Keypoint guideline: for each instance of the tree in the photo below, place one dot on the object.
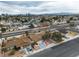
(71, 24)
(16, 48)
(43, 19)
(59, 20)
(34, 43)
(27, 34)
(55, 18)
(71, 18)
(68, 21)
(1, 25)
(3, 30)
(56, 36)
(46, 36)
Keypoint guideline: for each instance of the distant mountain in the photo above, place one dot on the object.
(60, 14)
(53, 14)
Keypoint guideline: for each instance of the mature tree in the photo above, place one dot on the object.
(43, 19)
(68, 21)
(56, 36)
(56, 18)
(3, 29)
(46, 36)
(71, 18)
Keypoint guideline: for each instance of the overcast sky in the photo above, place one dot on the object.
(39, 7)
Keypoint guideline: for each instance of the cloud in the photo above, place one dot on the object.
(39, 7)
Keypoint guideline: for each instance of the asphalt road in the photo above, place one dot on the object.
(23, 31)
(68, 49)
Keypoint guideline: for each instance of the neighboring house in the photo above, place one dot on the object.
(18, 42)
(77, 27)
(23, 27)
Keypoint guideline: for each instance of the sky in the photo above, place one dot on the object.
(39, 7)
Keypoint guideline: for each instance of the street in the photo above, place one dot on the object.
(68, 49)
(34, 29)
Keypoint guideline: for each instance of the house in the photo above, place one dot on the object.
(23, 27)
(77, 27)
(18, 42)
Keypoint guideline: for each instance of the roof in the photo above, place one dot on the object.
(37, 36)
(18, 42)
(23, 40)
(62, 31)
